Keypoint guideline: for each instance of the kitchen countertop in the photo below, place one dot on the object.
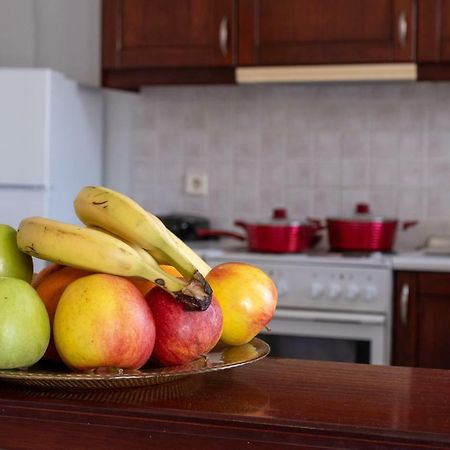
(270, 404)
(420, 261)
(414, 260)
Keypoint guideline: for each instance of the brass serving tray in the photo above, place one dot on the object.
(220, 358)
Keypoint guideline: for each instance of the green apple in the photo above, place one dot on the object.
(13, 262)
(24, 324)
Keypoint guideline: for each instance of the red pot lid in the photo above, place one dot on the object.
(362, 214)
(279, 218)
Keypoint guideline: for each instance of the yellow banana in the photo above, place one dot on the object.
(198, 262)
(112, 211)
(94, 250)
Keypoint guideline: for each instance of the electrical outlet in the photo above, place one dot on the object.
(197, 183)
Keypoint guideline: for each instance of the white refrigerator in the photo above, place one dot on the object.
(51, 143)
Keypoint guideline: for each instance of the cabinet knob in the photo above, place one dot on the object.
(223, 35)
(404, 304)
(402, 28)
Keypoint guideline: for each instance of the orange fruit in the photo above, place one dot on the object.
(47, 270)
(51, 285)
(145, 285)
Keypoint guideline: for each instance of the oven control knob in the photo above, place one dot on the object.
(282, 287)
(316, 289)
(352, 292)
(334, 291)
(370, 292)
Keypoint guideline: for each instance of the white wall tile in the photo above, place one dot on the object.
(411, 203)
(383, 202)
(439, 145)
(411, 173)
(438, 206)
(327, 145)
(300, 173)
(327, 173)
(383, 172)
(316, 149)
(439, 173)
(351, 197)
(299, 203)
(355, 172)
(354, 144)
(384, 144)
(326, 202)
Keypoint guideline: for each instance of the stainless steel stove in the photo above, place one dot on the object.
(330, 305)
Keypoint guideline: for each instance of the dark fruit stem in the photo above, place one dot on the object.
(197, 295)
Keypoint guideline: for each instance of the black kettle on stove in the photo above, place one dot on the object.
(185, 226)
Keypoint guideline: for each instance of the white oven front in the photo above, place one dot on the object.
(338, 336)
(330, 307)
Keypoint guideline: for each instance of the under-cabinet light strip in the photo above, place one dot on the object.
(322, 73)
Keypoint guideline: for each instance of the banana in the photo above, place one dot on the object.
(94, 250)
(198, 262)
(112, 211)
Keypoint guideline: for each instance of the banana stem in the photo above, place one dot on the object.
(195, 296)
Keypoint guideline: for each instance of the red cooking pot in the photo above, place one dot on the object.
(363, 231)
(280, 235)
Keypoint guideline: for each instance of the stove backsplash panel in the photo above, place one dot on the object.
(314, 149)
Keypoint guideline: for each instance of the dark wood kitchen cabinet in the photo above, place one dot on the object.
(291, 32)
(421, 331)
(433, 45)
(154, 41)
(203, 41)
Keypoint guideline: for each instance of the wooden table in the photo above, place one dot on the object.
(272, 404)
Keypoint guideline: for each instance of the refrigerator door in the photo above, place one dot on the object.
(15, 204)
(24, 114)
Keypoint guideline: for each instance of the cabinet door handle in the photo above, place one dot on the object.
(223, 35)
(402, 28)
(404, 304)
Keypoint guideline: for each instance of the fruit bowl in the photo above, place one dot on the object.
(220, 358)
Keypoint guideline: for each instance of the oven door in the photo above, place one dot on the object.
(336, 336)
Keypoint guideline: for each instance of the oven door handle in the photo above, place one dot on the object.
(330, 317)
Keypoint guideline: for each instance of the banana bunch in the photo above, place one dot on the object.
(120, 238)
(120, 215)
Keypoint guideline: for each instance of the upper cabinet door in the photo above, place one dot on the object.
(168, 33)
(434, 31)
(289, 32)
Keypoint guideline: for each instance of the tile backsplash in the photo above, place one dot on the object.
(314, 149)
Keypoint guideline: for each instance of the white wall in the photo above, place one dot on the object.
(63, 35)
(315, 149)
(120, 109)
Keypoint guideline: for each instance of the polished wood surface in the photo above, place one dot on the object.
(422, 332)
(405, 327)
(147, 42)
(325, 32)
(433, 40)
(433, 72)
(134, 79)
(271, 404)
(433, 45)
(167, 33)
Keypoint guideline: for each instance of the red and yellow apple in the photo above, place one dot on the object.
(52, 281)
(182, 335)
(103, 321)
(248, 298)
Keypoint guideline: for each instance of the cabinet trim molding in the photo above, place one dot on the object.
(329, 72)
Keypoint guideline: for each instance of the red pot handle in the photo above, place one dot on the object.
(409, 223)
(316, 224)
(207, 232)
(240, 223)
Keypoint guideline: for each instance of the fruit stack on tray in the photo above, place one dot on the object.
(119, 292)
